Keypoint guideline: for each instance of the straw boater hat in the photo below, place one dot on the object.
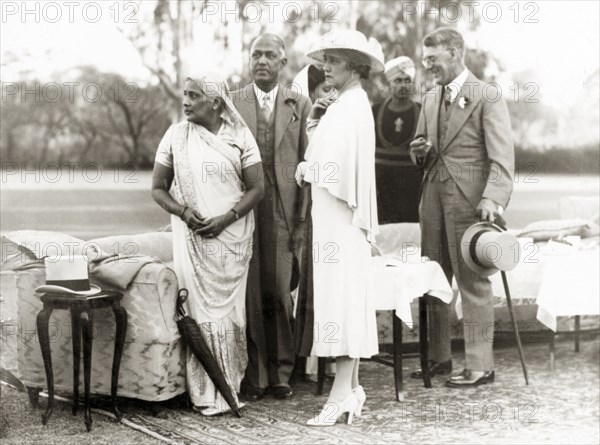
(400, 65)
(350, 45)
(486, 249)
(68, 275)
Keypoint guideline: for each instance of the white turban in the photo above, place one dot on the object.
(399, 65)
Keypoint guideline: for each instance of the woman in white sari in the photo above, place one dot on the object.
(340, 166)
(208, 176)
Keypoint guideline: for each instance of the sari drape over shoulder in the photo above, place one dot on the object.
(208, 178)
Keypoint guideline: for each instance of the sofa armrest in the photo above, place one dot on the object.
(154, 244)
(150, 301)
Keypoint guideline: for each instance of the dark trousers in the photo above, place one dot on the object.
(269, 304)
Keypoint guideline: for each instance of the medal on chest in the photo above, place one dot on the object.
(398, 125)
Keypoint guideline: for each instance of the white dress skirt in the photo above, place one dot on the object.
(344, 313)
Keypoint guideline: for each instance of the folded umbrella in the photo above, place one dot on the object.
(192, 335)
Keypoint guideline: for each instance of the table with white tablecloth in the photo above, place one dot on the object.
(395, 281)
(561, 280)
(570, 286)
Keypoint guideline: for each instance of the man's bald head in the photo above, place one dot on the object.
(267, 59)
(269, 37)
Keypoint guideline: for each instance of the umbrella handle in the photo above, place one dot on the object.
(182, 296)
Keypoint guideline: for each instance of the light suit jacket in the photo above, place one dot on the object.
(477, 148)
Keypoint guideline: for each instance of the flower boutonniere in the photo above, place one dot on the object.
(463, 102)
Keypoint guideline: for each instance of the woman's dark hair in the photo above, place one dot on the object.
(315, 77)
(362, 70)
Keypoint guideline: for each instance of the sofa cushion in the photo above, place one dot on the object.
(558, 228)
(17, 257)
(24, 249)
(154, 244)
(398, 239)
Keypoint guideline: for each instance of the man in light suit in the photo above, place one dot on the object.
(463, 143)
(276, 116)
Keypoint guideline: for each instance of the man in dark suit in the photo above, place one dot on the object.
(276, 116)
(463, 143)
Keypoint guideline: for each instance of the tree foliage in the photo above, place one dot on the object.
(91, 117)
(126, 123)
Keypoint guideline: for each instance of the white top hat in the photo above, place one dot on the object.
(68, 275)
(486, 249)
(350, 45)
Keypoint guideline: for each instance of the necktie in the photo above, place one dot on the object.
(447, 97)
(266, 109)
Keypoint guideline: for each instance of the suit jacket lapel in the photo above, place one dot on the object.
(285, 109)
(432, 111)
(247, 107)
(471, 91)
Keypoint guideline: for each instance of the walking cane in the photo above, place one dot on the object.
(502, 224)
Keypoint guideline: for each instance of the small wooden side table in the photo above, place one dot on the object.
(398, 353)
(81, 327)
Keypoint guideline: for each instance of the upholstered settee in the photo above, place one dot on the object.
(152, 365)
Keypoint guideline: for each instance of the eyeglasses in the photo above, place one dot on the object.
(430, 60)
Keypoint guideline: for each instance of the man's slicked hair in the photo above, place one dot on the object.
(446, 37)
(269, 35)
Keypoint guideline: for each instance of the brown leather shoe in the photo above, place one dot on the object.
(435, 368)
(466, 379)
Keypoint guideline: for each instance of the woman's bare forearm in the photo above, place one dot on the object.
(255, 189)
(162, 178)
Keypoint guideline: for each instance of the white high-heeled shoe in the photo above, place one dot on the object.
(332, 411)
(360, 395)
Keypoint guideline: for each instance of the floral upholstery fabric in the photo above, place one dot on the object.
(152, 366)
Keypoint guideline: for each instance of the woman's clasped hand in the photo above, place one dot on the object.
(205, 227)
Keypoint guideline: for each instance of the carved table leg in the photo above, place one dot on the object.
(43, 320)
(88, 329)
(322, 361)
(424, 341)
(121, 321)
(34, 396)
(397, 354)
(76, 335)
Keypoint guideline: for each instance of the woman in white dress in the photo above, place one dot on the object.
(340, 166)
(213, 165)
